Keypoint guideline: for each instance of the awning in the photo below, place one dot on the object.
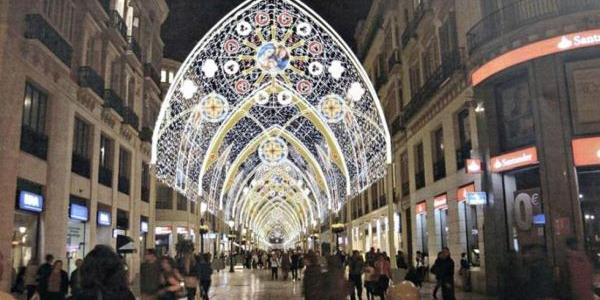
(125, 244)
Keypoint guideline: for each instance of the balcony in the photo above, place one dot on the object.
(439, 170)
(80, 165)
(134, 47)
(420, 179)
(123, 185)
(37, 28)
(88, 78)
(150, 72)
(106, 5)
(146, 134)
(522, 13)
(114, 101)
(34, 143)
(117, 22)
(130, 117)
(450, 64)
(105, 176)
(462, 155)
(413, 25)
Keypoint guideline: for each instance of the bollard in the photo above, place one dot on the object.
(405, 290)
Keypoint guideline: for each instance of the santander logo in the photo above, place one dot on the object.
(578, 40)
(514, 160)
(565, 43)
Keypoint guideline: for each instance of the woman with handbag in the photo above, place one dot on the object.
(173, 287)
(187, 268)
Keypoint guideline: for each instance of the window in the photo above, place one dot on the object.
(34, 109)
(515, 114)
(164, 197)
(80, 163)
(404, 174)
(145, 193)
(448, 40)
(415, 79)
(419, 166)
(61, 14)
(163, 76)
(33, 138)
(181, 202)
(439, 161)
(464, 138)
(430, 59)
(124, 165)
(106, 161)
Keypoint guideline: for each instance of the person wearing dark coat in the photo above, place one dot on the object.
(295, 265)
(149, 282)
(204, 275)
(356, 266)
(444, 271)
(57, 283)
(75, 281)
(312, 282)
(42, 275)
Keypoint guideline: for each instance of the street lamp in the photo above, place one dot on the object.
(337, 228)
(231, 237)
(202, 230)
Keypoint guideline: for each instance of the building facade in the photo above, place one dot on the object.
(81, 93)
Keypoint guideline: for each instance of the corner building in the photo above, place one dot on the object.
(81, 93)
(535, 69)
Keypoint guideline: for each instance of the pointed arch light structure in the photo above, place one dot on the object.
(273, 120)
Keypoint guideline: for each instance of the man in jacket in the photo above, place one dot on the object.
(149, 280)
(444, 271)
(356, 266)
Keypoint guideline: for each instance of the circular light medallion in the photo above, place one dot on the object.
(214, 107)
(273, 58)
(262, 18)
(285, 98)
(231, 67)
(315, 68)
(273, 150)
(262, 98)
(332, 108)
(303, 29)
(243, 28)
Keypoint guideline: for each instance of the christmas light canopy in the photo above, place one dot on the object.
(273, 120)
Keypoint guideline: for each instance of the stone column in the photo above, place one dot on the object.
(391, 228)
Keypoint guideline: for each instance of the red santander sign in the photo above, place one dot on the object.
(586, 151)
(513, 160)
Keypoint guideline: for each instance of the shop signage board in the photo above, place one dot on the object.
(78, 212)
(473, 166)
(421, 208)
(440, 202)
(586, 151)
(535, 50)
(162, 230)
(104, 218)
(143, 226)
(31, 201)
(476, 198)
(514, 160)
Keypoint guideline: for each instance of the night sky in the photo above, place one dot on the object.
(189, 20)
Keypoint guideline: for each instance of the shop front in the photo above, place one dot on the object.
(26, 229)
(440, 209)
(421, 233)
(104, 226)
(76, 231)
(162, 238)
(468, 201)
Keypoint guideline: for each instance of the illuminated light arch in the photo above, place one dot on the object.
(275, 69)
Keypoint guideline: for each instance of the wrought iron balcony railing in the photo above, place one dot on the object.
(450, 64)
(34, 143)
(117, 22)
(411, 28)
(522, 13)
(38, 28)
(89, 78)
(130, 117)
(114, 101)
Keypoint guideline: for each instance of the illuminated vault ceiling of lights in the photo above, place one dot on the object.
(271, 119)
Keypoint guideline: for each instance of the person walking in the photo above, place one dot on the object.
(295, 265)
(434, 270)
(42, 275)
(31, 277)
(274, 262)
(312, 282)
(3, 295)
(465, 272)
(204, 275)
(370, 281)
(401, 260)
(384, 273)
(103, 276)
(75, 280)
(187, 269)
(444, 270)
(57, 283)
(172, 285)
(371, 256)
(149, 282)
(356, 266)
(286, 265)
(336, 285)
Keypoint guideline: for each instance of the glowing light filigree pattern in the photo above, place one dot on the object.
(271, 86)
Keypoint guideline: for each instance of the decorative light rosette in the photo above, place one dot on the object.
(271, 68)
